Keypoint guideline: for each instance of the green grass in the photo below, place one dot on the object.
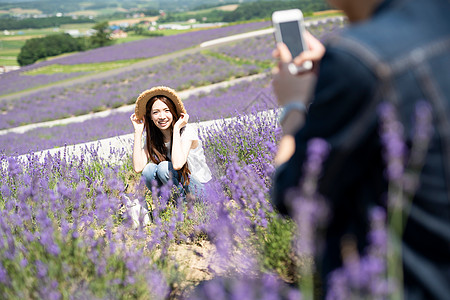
(81, 26)
(240, 61)
(11, 45)
(334, 14)
(9, 51)
(26, 33)
(93, 67)
(8, 61)
(131, 38)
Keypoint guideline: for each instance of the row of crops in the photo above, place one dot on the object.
(65, 231)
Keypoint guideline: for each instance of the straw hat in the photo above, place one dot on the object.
(143, 98)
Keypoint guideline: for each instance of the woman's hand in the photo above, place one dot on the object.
(138, 125)
(181, 122)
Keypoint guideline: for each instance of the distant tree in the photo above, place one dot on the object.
(51, 45)
(30, 52)
(102, 36)
(139, 30)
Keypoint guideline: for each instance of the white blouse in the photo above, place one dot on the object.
(196, 158)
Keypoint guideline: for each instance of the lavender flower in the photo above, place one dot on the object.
(3, 275)
(308, 208)
(423, 131)
(41, 269)
(366, 276)
(391, 132)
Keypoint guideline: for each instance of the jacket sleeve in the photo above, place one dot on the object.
(342, 96)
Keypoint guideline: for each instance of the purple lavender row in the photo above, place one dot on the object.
(260, 48)
(255, 49)
(15, 81)
(70, 239)
(57, 103)
(75, 236)
(76, 243)
(238, 99)
(157, 46)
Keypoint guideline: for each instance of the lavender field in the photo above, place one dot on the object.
(97, 95)
(242, 98)
(66, 225)
(16, 80)
(65, 234)
(224, 63)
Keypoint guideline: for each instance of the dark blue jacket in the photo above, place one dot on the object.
(400, 55)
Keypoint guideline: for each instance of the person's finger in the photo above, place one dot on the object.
(306, 55)
(313, 42)
(285, 54)
(275, 70)
(276, 53)
(315, 51)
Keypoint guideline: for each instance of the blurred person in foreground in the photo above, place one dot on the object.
(396, 51)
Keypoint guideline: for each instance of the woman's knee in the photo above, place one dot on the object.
(149, 173)
(165, 172)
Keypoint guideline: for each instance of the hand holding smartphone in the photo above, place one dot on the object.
(289, 28)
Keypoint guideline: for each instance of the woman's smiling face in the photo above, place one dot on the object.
(161, 115)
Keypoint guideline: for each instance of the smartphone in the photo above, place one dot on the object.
(288, 28)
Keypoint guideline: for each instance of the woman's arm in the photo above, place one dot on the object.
(180, 148)
(140, 155)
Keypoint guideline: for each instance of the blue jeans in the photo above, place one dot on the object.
(162, 172)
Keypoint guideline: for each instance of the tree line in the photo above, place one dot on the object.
(56, 44)
(10, 23)
(47, 7)
(249, 11)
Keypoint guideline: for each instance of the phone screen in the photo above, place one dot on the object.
(290, 33)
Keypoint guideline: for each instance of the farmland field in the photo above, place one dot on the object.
(13, 81)
(66, 225)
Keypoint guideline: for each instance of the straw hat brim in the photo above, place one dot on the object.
(143, 98)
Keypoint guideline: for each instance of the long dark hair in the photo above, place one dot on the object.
(155, 138)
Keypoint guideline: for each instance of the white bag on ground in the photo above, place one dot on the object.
(137, 212)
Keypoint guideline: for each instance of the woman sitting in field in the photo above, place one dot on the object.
(172, 149)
